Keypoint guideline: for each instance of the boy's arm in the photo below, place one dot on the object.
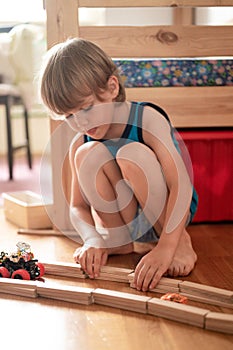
(93, 254)
(156, 134)
(155, 264)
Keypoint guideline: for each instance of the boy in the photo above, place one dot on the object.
(129, 182)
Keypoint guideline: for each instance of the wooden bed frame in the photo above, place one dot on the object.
(209, 106)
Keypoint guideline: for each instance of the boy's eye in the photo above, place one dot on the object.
(69, 116)
(87, 108)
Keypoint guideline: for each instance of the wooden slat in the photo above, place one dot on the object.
(164, 282)
(153, 3)
(191, 106)
(62, 20)
(61, 136)
(208, 300)
(219, 322)
(18, 287)
(177, 312)
(162, 41)
(121, 300)
(64, 269)
(73, 294)
(41, 232)
(206, 291)
(183, 16)
(110, 273)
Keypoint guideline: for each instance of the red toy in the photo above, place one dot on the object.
(176, 297)
(20, 264)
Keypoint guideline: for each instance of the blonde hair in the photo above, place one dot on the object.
(74, 70)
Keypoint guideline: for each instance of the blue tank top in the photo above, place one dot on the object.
(133, 133)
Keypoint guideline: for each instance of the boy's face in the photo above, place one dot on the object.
(95, 114)
(93, 118)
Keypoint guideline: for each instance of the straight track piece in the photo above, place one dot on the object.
(18, 287)
(113, 278)
(11, 282)
(108, 273)
(24, 292)
(121, 300)
(74, 294)
(219, 322)
(64, 269)
(161, 289)
(116, 270)
(205, 291)
(165, 285)
(116, 274)
(164, 281)
(208, 300)
(177, 312)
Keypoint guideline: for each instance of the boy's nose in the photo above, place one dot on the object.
(81, 123)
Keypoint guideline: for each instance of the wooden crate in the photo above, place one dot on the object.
(26, 209)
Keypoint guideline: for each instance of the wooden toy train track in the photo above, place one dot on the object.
(200, 317)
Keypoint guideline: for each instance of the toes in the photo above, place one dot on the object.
(172, 271)
(187, 269)
(176, 270)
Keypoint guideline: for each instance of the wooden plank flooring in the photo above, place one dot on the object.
(54, 324)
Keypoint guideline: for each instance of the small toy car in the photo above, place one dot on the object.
(20, 264)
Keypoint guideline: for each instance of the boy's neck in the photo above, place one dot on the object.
(120, 120)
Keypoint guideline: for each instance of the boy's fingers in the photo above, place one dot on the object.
(100, 259)
(139, 279)
(104, 259)
(91, 260)
(137, 271)
(97, 263)
(148, 278)
(155, 279)
(89, 264)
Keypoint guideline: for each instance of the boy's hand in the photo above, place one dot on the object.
(91, 259)
(152, 267)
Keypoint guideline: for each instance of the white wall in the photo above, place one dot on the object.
(214, 15)
(139, 16)
(23, 11)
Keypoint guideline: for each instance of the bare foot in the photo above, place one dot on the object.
(124, 249)
(184, 259)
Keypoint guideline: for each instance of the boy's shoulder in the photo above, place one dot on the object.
(156, 108)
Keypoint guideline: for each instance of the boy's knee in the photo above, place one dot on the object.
(82, 151)
(133, 153)
(93, 150)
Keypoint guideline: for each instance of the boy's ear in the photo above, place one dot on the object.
(113, 86)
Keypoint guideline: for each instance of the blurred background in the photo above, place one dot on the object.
(22, 45)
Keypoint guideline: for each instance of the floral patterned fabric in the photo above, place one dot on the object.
(174, 72)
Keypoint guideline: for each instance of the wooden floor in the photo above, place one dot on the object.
(49, 324)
